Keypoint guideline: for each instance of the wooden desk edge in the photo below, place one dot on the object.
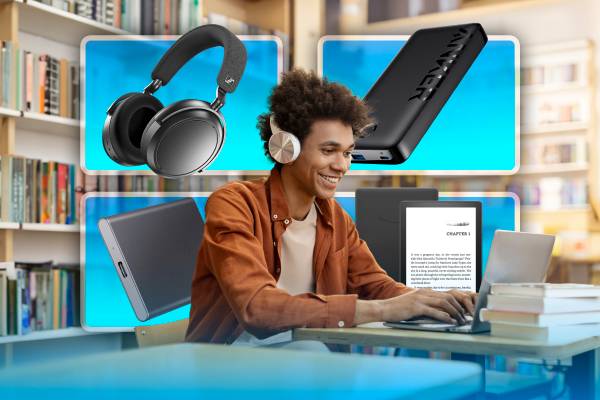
(516, 348)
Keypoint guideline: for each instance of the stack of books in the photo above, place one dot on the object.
(37, 296)
(543, 311)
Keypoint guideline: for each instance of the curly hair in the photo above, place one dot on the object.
(303, 98)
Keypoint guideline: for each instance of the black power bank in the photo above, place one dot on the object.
(413, 89)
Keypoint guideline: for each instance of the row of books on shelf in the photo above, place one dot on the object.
(552, 192)
(538, 152)
(36, 296)
(153, 17)
(38, 82)
(145, 17)
(38, 191)
(149, 183)
(543, 311)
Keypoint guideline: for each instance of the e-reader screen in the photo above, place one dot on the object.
(441, 244)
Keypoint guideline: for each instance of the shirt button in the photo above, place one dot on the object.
(274, 244)
(341, 324)
(287, 221)
(274, 216)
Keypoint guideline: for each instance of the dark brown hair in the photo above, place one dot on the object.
(303, 98)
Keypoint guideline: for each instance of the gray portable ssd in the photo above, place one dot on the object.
(154, 252)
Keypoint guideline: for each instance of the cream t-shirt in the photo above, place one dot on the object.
(297, 246)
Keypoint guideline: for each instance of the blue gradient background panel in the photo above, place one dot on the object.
(118, 66)
(105, 302)
(476, 128)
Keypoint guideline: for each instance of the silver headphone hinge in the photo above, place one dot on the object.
(219, 101)
(153, 86)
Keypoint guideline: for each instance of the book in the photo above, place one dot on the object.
(560, 290)
(3, 304)
(546, 305)
(544, 333)
(537, 319)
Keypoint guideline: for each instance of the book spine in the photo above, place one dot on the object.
(42, 77)
(56, 297)
(147, 17)
(63, 109)
(61, 198)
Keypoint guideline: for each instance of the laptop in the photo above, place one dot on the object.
(514, 257)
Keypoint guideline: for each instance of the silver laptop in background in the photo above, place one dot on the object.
(514, 257)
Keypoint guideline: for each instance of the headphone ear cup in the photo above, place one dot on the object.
(284, 147)
(123, 134)
(183, 138)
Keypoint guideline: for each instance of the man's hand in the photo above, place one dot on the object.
(466, 299)
(449, 307)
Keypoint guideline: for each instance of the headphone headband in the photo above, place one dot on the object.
(198, 40)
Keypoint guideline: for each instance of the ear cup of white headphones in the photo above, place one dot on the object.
(183, 138)
(284, 146)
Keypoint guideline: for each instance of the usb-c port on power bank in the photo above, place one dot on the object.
(122, 268)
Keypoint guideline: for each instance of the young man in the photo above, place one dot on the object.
(281, 253)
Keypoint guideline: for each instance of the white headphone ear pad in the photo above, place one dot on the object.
(284, 147)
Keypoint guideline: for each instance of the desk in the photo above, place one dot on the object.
(186, 371)
(581, 376)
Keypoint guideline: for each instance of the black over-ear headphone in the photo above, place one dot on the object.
(186, 136)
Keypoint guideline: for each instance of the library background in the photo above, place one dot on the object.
(41, 181)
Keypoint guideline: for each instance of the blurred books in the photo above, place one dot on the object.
(543, 311)
(37, 296)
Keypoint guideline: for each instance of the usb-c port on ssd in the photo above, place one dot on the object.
(122, 268)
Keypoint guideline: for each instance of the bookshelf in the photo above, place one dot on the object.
(41, 28)
(559, 138)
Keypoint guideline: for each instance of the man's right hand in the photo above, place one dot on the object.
(419, 302)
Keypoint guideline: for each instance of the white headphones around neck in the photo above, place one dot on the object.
(284, 146)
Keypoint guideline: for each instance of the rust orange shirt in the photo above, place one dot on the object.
(235, 282)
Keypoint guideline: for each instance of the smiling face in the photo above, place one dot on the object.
(324, 159)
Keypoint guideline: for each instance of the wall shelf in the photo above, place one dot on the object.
(62, 26)
(51, 124)
(564, 209)
(37, 122)
(47, 335)
(35, 227)
(9, 225)
(555, 128)
(551, 89)
(554, 168)
(7, 112)
(50, 227)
